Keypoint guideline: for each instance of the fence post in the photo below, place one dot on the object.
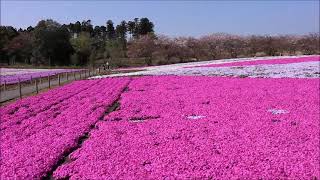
(40, 79)
(89, 72)
(67, 75)
(4, 85)
(99, 70)
(20, 93)
(31, 80)
(59, 79)
(37, 88)
(49, 82)
(74, 75)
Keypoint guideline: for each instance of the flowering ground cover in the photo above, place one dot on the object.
(266, 67)
(34, 104)
(130, 68)
(37, 132)
(171, 127)
(264, 62)
(11, 75)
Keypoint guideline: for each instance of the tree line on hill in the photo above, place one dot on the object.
(80, 44)
(50, 43)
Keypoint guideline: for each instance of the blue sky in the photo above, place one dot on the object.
(175, 18)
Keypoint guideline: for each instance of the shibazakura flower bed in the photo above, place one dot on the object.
(36, 132)
(165, 127)
(265, 62)
(171, 127)
(264, 67)
(12, 76)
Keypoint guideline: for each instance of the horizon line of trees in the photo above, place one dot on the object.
(82, 44)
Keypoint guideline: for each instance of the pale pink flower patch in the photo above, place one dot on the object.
(264, 62)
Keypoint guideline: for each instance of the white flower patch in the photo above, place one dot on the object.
(195, 117)
(278, 111)
(292, 70)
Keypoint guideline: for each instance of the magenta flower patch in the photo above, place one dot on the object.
(249, 129)
(37, 131)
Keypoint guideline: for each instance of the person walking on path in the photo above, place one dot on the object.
(107, 64)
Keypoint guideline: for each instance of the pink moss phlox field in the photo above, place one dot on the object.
(37, 131)
(27, 74)
(264, 62)
(34, 104)
(171, 127)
